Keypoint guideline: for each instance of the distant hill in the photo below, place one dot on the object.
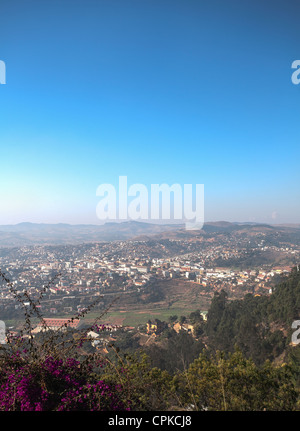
(42, 234)
(26, 234)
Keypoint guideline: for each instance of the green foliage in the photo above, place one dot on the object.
(176, 353)
(257, 324)
(126, 341)
(195, 317)
(182, 319)
(211, 382)
(236, 383)
(147, 387)
(285, 302)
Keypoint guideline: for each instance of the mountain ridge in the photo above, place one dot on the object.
(28, 233)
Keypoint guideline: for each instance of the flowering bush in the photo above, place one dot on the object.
(55, 384)
(49, 372)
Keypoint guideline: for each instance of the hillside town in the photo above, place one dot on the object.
(132, 268)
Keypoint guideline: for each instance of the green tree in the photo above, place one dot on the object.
(233, 382)
(148, 388)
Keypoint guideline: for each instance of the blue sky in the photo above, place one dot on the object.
(163, 91)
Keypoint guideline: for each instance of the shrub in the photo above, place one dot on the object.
(50, 372)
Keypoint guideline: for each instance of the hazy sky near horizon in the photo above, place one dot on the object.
(162, 91)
